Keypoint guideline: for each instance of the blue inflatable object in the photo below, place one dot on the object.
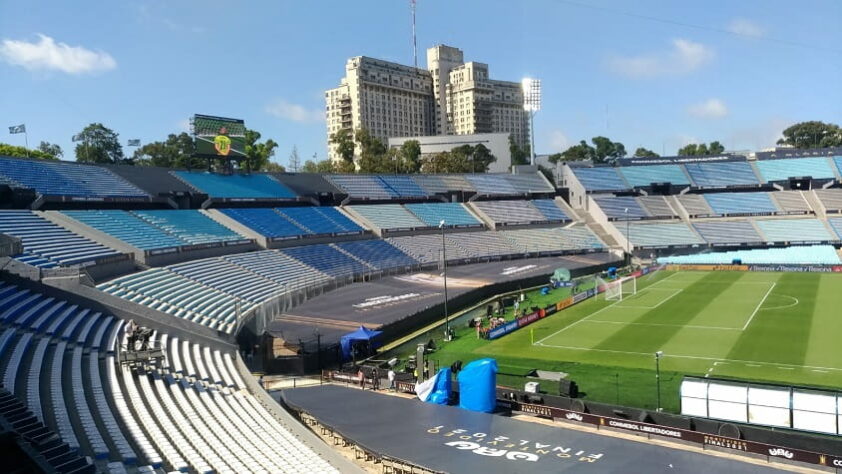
(477, 386)
(545, 290)
(441, 393)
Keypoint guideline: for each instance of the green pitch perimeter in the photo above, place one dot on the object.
(775, 327)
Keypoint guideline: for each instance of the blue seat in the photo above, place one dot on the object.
(377, 253)
(492, 184)
(59, 178)
(551, 210)
(795, 230)
(615, 207)
(721, 175)
(781, 170)
(127, 227)
(452, 213)
(320, 220)
(266, 222)
(600, 179)
(403, 185)
(237, 186)
(326, 259)
(189, 225)
(363, 186)
(644, 175)
(741, 203)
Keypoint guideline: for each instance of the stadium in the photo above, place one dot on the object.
(146, 311)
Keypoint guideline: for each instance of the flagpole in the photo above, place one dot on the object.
(26, 140)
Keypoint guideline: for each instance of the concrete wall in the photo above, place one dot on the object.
(498, 143)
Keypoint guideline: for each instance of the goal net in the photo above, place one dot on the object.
(616, 290)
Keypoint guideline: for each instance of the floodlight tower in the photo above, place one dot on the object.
(444, 275)
(531, 104)
(658, 356)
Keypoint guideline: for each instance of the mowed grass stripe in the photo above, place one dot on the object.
(679, 310)
(825, 349)
(781, 335)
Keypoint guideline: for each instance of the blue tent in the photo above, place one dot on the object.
(361, 334)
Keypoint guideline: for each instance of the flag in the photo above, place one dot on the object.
(134, 142)
(17, 129)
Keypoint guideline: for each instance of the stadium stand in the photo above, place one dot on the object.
(794, 230)
(236, 186)
(427, 248)
(379, 254)
(781, 170)
(189, 225)
(660, 235)
(641, 176)
(656, 206)
(362, 186)
(129, 228)
(810, 255)
(453, 214)
(483, 244)
(327, 259)
(279, 268)
(432, 184)
(551, 211)
(154, 180)
(725, 204)
(491, 184)
(266, 222)
(615, 207)
(831, 199)
(307, 183)
(836, 224)
(510, 212)
(227, 277)
(528, 183)
(454, 182)
(389, 216)
(403, 185)
(321, 220)
(791, 202)
(695, 204)
(556, 239)
(47, 245)
(58, 178)
(727, 232)
(179, 296)
(722, 174)
(600, 179)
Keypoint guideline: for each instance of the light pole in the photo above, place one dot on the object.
(444, 275)
(658, 356)
(531, 104)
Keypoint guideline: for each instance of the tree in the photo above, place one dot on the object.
(258, 154)
(51, 149)
(344, 141)
(606, 151)
(579, 152)
(324, 166)
(813, 134)
(294, 160)
(99, 144)
(410, 157)
(701, 149)
(555, 158)
(520, 155)
(175, 152)
(645, 153)
(482, 158)
(22, 152)
(274, 167)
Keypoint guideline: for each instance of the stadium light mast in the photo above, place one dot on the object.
(444, 275)
(658, 356)
(628, 236)
(531, 104)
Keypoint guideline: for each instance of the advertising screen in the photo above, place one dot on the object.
(219, 137)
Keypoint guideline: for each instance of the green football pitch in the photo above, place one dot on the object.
(781, 328)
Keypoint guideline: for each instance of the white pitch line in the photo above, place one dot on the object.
(664, 325)
(678, 356)
(757, 308)
(540, 341)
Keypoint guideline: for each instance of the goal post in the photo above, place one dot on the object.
(618, 289)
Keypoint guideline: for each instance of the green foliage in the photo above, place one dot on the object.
(51, 149)
(344, 141)
(813, 134)
(175, 152)
(603, 151)
(462, 159)
(579, 152)
(694, 149)
(645, 153)
(99, 144)
(409, 155)
(323, 167)
(520, 155)
(258, 154)
(22, 152)
(555, 158)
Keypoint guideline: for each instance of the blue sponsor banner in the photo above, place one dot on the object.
(503, 330)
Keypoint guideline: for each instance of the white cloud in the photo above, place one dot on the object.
(47, 54)
(294, 112)
(743, 27)
(684, 57)
(558, 141)
(709, 109)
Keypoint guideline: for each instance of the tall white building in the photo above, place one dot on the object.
(451, 97)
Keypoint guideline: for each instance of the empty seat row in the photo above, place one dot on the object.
(510, 212)
(236, 186)
(741, 203)
(621, 207)
(60, 178)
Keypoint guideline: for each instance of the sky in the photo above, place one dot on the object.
(651, 73)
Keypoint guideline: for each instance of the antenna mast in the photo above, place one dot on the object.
(414, 43)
